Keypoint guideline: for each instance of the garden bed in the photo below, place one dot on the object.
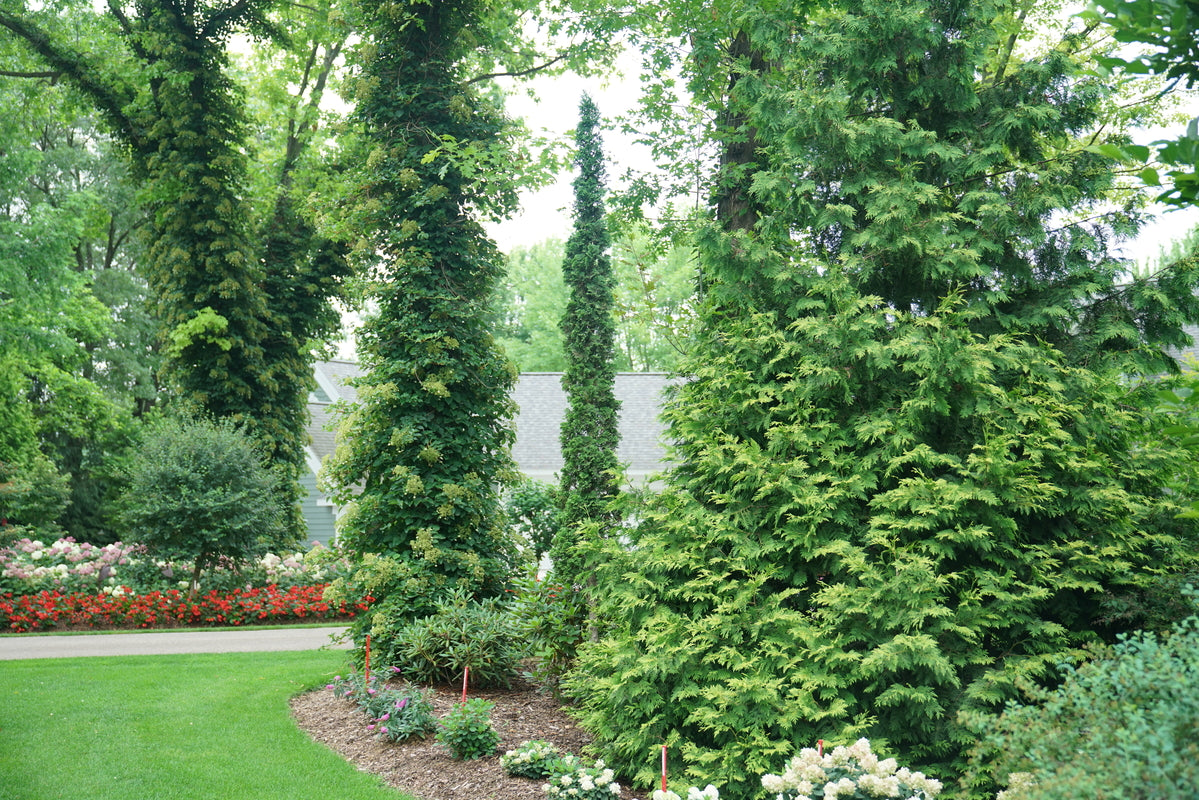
(423, 767)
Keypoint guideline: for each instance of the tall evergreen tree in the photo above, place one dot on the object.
(910, 469)
(429, 441)
(589, 433)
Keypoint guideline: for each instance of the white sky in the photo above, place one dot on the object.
(545, 213)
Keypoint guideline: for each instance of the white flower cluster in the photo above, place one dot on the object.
(585, 783)
(848, 772)
(709, 792)
(289, 568)
(522, 760)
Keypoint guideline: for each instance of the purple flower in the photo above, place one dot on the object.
(401, 703)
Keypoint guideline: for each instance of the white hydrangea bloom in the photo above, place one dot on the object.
(771, 783)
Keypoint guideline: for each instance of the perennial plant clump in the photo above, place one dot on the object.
(538, 759)
(848, 773)
(467, 730)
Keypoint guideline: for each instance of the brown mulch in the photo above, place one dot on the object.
(425, 768)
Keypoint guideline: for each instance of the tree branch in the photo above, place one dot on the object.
(518, 73)
(110, 98)
(53, 75)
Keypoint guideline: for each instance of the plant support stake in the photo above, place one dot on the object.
(663, 769)
(367, 668)
(465, 678)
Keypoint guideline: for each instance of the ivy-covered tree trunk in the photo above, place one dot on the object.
(910, 468)
(426, 449)
(589, 433)
(238, 324)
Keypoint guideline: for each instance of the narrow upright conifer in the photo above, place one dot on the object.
(589, 433)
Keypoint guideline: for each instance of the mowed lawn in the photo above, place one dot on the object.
(191, 727)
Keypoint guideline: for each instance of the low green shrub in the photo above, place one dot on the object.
(538, 760)
(550, 619)
(531, 507)
(460, 633)
(467, 730)
(1125, 724)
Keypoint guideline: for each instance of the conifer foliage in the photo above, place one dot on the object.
(589, 433)
(429, 442)
(909, 455)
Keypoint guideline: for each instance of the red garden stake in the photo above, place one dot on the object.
(368, 659)
(663, 769)
(820, 747)
(465, 678)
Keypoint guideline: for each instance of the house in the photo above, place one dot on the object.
(541, 405)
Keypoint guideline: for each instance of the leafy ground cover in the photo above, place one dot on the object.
(184, 726)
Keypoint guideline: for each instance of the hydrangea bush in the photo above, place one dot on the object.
(29, 566)
(584, 783)
(538, 760)
(848, 773)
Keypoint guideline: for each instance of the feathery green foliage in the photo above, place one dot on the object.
(909, 461)
(429, 441)
(589, 434)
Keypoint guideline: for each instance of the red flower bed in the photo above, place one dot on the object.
(171, 609)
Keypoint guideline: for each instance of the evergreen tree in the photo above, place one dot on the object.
(429, 441)
(909, 469)
(589, 433)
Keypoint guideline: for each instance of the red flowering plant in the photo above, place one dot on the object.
(121, 608)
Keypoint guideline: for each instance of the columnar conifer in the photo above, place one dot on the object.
(589, 433)
(910, 469)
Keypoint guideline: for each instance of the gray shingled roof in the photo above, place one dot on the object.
(541, 405)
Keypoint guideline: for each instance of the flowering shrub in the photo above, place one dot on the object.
(395, 714)
(848, 773)
(709, 792)
(119, 607)
(584, 783)
(538, 760)
(29, 566)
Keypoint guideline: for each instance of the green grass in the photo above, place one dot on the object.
(187, 727)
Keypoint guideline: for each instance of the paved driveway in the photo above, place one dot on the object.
(165, 642)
